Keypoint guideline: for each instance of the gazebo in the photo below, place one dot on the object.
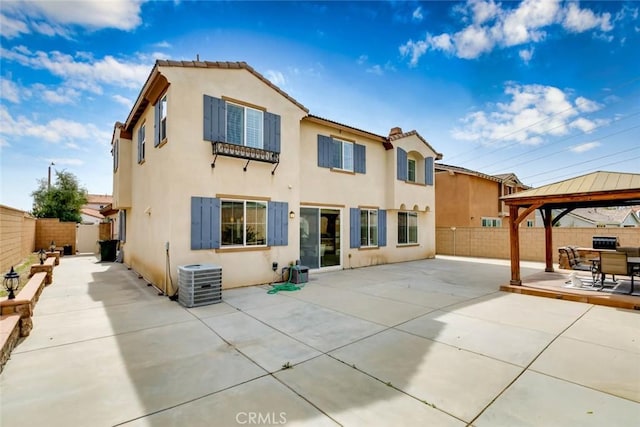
(597, 189)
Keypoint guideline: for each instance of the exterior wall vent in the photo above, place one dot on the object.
(199, 284)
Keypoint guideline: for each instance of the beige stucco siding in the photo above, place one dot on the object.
(181, 168)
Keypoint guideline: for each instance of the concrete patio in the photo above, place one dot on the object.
(430, 342)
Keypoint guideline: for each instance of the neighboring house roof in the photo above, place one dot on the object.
(99, 199)
(596, 182)
(502, 178)
(602, 215)
(91, 212)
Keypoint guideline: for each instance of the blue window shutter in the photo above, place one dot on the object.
(354, 227)
(156, 124)
(325, 151)
(277, 224)
(205, 223)
(214, 120)
(382, 228)
(359, 158)
(122, 225)
(428, 172)
(402, 164)
(336, 150)
(271, 129)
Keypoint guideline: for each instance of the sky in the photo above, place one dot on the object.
(545, 89)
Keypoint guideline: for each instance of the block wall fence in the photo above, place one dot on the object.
(17, 236)
(52, 229)
(487, 242)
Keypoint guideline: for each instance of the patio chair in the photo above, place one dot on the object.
(573, 263)
(615, 263)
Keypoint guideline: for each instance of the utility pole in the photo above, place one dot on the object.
(49, 180)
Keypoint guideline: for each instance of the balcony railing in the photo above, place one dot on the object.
(244, 152)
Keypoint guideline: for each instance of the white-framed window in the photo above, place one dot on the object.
(141, 142)
(368, 227)
(243, 223)
(245, 126)
(344, 155)
(407, 228)
(411, 170)
(491, 222)
(163, 118)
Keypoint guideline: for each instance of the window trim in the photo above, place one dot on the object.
(116, 155)
(244, 124)
(408, 234)
(415, 165)
(163, 119)
(244, 244)
(343, 144)
(142, 141)
(369, 225)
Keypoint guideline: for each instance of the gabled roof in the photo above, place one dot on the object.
(594, 189)
(156, 80)
(501, 178)
(99, 198)
(603, 215)
(318, 119)
(411, 133)
(91, 212)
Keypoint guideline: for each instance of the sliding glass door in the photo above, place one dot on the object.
(319, 237)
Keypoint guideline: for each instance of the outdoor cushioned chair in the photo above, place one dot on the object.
(615, 263)
(573, 263)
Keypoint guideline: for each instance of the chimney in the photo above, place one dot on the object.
(395, 131)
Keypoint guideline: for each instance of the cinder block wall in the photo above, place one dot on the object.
(17, 236)
(487, 242)
(51, 229)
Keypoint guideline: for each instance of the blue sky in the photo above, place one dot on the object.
(548, 90)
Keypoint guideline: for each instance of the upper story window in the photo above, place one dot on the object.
(244, 126)
(344, 155)
(411, 170)
(491, 222)
(116, 154)
(531, 223)
(334, 153)
(163, 118)
(141, 142)
(407, 228)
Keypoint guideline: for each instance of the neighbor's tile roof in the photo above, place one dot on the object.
(99, 199)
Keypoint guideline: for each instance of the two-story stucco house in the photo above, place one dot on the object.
(468, 198)
(215, 164)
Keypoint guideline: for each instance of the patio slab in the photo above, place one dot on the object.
(504, 342)
(110, 380)
(249, 336)
(603, 368)
(355, 399)
(540, 400)
(264, 397)
(456, 381)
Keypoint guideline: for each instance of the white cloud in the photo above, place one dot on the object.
(531, 113)
(122, 100)
(362, 59)
(59, 95)
(81, 72)
(9, 90)
(417, 14)
(54, 131)
(526, 55)
(59, 17)
(66, 162)
(587, 105)
(162, 45)
(275, 77)
(578, 20)
(376, 69)
(487, 25)
(584, 147)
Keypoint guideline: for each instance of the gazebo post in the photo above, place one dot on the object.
(548, 239)
(514, 238)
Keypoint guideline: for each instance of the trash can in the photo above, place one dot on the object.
(66, 249)
(108, 249)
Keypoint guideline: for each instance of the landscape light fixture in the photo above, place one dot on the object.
(52, 246)
(11, 282)
(42, 255)
(292, 215)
